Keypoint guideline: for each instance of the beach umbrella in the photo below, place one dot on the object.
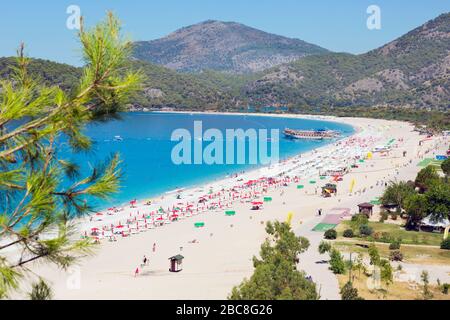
(300, 186)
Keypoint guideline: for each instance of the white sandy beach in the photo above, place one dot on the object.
(221, 255)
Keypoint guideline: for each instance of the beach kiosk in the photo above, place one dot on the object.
(328, 190)
(176, 263)
(366, 208)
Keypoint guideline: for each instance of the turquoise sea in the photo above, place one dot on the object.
(145, 148)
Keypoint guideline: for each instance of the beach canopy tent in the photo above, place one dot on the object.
(375, 201)
(430, 224)
(267, 199)
(389, 206)
(366, 208)
(176, 263)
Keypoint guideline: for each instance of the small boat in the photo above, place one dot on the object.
(118, 138)
(319, 134)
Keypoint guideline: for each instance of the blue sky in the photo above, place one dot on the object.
(335, 25)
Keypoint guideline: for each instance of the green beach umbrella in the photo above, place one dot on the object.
(230, 213)
(300, 186)
(323, 178)
(199, 224)
(312, 181)
(267, 199)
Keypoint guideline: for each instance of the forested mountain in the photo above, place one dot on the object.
(409, 72)
(223, 46)
(412, 71)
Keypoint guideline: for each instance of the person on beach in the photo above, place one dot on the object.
(154, 247)
(136, 272)
(145, 260)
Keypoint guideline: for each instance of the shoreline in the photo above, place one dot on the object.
(225, 180)
(226, 177)
(221, 255)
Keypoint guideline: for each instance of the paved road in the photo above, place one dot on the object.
(315, 264)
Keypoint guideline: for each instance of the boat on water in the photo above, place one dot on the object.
(118, 138)
(319, 134)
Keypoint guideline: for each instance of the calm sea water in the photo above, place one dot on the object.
(146, 149)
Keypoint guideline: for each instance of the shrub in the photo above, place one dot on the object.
(330, 234)
(445, 244)
(348, 292)
(395, 245)
(386, 237)
(396, 256)
(394, 215)
(445, 288)
(383, 216)
(324, 247)
(377, 236)
(365, 230)
(358, 220)
(348, 233)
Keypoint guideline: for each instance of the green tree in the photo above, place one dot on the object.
(358, 220)
(41, 291)
(386, 272)
(276, 275)
(36, 208)
(337, 263)
(445, 166)
(438, 200)
(348, 292)
(324, 246)
(374, 255)
(426, 293)
(426, 177)
(359, 264)
(396, 193)
(416, 207)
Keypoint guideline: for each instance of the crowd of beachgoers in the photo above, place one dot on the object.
(327, 164)
(218, 227)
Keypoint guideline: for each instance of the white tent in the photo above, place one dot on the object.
(429, 222)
